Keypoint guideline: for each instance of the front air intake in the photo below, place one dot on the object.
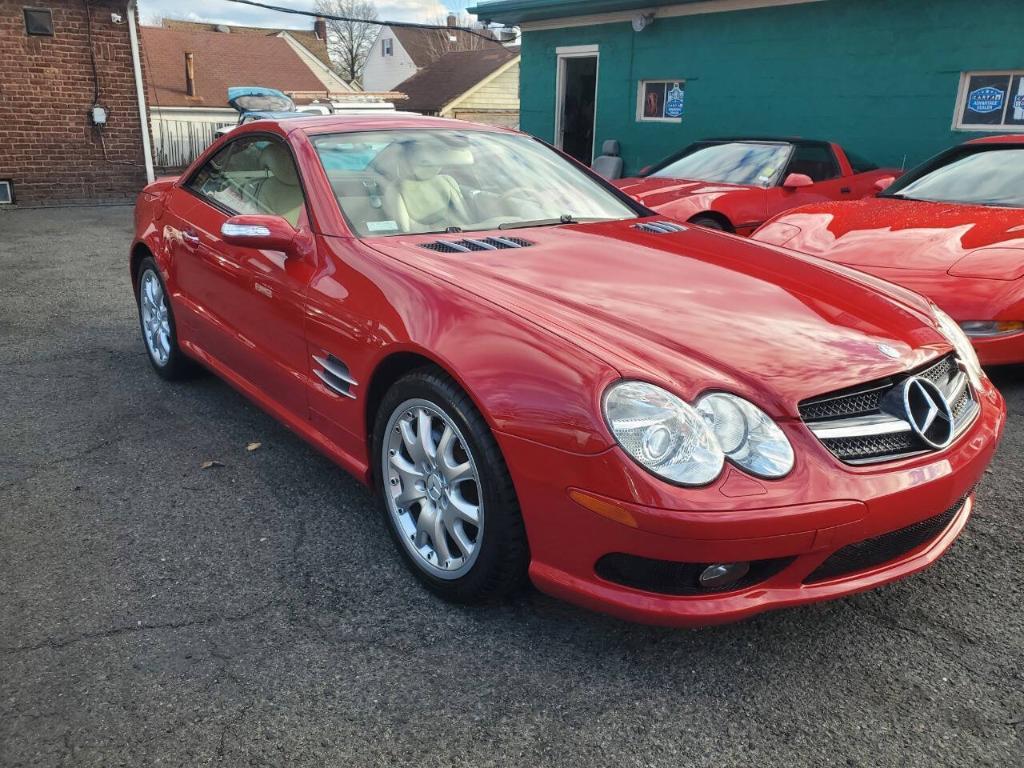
(659, 227)
(483, 244)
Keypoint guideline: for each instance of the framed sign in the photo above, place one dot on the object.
(661, 101)
(990, 101)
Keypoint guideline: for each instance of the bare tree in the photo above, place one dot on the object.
(452, 37)
(350, 42)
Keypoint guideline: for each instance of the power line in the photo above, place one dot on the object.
(331, 17)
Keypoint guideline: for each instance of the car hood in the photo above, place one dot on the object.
(902, 234)
(655, 192)
(695, 310)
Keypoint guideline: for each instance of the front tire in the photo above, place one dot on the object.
(448, 498)
(710, 222)
(157, 322)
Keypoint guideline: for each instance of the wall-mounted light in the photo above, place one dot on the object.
(642, 21)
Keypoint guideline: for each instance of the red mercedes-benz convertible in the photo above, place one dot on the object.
(540, 377)
(736, 184)
(952, 229)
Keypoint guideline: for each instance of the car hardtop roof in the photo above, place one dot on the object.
(342, 123)
(765, 140)
(1009, 138)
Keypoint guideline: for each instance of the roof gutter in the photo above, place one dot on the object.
(140, 91)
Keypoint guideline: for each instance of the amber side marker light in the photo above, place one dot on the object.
(604, 508)
(984, 329)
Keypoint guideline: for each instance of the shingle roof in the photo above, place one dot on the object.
(434, 86)
(221, 60)
(305, 37)
(424, 46)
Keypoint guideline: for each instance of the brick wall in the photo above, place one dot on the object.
(48, 145)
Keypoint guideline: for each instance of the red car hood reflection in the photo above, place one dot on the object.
(902, 234)
(654, 192)
(700, 309)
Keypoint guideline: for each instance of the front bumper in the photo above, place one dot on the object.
(819, 509)
(1000, 350)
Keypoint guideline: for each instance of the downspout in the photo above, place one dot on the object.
(133, 35)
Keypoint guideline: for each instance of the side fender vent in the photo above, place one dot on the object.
(335, 375)
(660, 227)
(484, 244)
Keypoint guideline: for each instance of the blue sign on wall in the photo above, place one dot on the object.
(674, 101)
(985, 100)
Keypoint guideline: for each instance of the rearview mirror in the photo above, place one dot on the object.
(884, 183)
(268, 233)
(797, 180)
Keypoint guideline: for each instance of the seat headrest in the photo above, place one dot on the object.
(611, 147)
(278, 161)
(424, 159)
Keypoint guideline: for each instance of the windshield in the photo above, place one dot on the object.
(419, 181)
(982, 177)
(734, 162)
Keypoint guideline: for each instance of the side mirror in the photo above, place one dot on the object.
(797, 180)
(884, 183)
(267, 233)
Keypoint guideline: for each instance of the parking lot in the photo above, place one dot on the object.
(154, 612)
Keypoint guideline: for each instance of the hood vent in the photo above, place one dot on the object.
(484, 244)
(659, 227)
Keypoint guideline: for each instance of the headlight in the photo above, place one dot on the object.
(747, 435)
(961, 343)
(662, 434)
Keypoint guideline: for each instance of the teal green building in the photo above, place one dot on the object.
(894, 81)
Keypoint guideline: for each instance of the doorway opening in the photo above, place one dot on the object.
(577, 105)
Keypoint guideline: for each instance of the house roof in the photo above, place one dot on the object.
(220, 61)
(307, 38)
(519, 11)
(425, 45)
(440, 83)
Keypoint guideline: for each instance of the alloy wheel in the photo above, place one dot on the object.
(156, 323)
(433, 489)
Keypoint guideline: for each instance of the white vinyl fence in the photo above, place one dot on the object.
(176, 143)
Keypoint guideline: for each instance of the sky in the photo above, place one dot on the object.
(225, 12)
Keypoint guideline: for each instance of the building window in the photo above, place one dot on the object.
(387, 46)
(990, 101)
(6, 192)
(660, 101)
(39, 21)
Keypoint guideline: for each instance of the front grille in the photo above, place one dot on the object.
(859, 425)
(667, 577)
(483, 244)
(871, 553)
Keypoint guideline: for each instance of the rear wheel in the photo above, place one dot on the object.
(710, 222)
(448, 497)
(157, 322)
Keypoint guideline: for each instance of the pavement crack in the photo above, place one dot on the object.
(142, 627)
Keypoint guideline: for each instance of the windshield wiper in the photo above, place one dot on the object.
(565, 218)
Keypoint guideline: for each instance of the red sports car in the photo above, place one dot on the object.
(951, 229)
(539, 376)
(737, 184)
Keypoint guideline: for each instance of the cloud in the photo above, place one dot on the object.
(224, 12)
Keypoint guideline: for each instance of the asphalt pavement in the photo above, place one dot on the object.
(153, 612)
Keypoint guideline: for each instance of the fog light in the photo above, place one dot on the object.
(723, 574)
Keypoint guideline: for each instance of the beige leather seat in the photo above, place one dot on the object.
(425, 199)
(280, 193)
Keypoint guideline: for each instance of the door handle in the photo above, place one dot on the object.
(845, 190)
(190, 239)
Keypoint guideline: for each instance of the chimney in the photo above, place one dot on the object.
(320, 27)
(190, 75)
(453, 20)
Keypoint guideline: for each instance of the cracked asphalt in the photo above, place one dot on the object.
(155, 613)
